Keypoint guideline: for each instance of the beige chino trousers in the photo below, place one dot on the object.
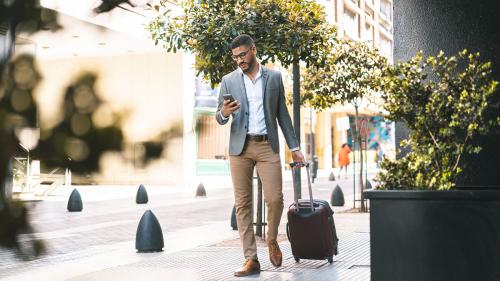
(269, 170)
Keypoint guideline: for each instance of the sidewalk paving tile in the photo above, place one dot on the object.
(209, 263)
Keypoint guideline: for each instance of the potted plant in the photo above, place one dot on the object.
(424, 224)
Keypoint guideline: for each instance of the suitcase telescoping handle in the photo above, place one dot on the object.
(294, 165)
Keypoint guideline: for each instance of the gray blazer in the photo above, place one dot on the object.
(274, 109)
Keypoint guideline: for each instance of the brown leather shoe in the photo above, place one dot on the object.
(249, 267)
(275, 254)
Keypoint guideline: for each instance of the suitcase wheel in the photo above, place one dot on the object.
(297, 259)
(330, 259)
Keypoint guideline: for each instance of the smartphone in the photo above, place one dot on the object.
(228, 97)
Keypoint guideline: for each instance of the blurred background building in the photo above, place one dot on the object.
(369, 21)
(160, 90)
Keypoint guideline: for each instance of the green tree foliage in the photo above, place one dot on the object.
(353, 72)
(443, 101)
(288, 31)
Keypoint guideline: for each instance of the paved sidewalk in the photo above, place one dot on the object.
(98, 243)
(218, 263)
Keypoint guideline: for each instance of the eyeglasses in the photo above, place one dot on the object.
(241, 55)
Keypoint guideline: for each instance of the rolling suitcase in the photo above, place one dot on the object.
(310, 228)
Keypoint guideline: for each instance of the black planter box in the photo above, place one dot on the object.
(435, 235)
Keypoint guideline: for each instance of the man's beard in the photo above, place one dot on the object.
(250, 65)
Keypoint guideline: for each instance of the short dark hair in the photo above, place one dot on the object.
(240, 40)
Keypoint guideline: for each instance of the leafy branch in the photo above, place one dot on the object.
(444, 102)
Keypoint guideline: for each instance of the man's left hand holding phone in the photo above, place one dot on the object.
(229, 105)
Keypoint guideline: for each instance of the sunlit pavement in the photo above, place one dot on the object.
(99, 242)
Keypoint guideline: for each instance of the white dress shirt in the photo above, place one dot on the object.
(254, 91)
(256, 121)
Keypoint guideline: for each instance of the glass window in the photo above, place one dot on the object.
(350, 23)
(368, 33)
(386, 9)
(386, 47)
(204, 95)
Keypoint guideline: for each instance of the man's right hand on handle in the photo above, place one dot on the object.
(229, 107)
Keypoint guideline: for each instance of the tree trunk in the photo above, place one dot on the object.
(296, 124)
(361, 160)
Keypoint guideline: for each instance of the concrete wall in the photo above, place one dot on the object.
(150, 86)
(433, 25)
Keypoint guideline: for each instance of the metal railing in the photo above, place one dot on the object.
(25, 180)
(21, 169)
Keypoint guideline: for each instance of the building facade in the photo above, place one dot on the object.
(162, 89)
(152, 89)
(368, 21)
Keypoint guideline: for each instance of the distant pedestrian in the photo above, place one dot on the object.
(343, 159)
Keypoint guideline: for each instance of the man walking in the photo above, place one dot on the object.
(259, 100)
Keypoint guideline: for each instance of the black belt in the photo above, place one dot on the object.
(257, 138)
